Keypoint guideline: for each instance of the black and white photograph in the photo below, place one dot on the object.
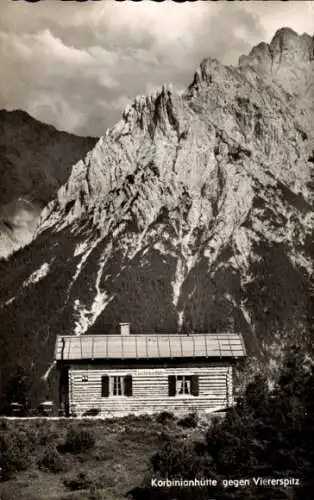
(156, 250)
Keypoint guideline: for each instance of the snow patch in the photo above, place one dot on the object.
(47, 373)
(180, 320)
(298, 260)
(87, 317)
(81, 248)
(12, 299)
(37, 275)
(88, 248)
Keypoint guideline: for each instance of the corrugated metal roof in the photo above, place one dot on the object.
(132, 346)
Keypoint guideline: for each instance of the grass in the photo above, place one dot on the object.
(115, 460)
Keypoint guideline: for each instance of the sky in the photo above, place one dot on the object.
(77, 65)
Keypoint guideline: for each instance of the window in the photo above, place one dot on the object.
(84, 378)
(116, 385)
(181, 385)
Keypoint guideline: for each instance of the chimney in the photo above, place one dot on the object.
(124, 329)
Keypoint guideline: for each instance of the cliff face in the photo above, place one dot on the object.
(35, 160)
(195, 212)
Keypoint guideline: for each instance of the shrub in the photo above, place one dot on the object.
(178, 458)
(164, 417)
(80, 481)
(93, 412)
(96, 494)
(75, 495)
(52, 460)
(48, 437)
(191, 420)
(15, 449)
(77, 441)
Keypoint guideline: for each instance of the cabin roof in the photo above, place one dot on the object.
(140, 346)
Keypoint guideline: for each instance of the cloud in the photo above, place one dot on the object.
(77, 65)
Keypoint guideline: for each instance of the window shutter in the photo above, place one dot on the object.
(195, 385)
(105, 386)
(171, 385)
(128, 385)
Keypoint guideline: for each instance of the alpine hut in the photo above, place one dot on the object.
(139, 373)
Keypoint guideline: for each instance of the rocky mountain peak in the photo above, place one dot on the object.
(35, 160)
(285, 48)
(286, 64)
(150, 114)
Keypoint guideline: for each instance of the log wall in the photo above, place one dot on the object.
(149, 389)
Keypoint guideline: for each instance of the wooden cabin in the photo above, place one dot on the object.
(138, 373)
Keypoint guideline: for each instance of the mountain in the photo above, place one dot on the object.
(35, 160)
(193, 213)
